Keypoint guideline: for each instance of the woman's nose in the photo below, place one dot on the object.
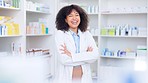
(74, 17)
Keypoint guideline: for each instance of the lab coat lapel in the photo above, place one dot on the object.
(70, 38)
(81, 40)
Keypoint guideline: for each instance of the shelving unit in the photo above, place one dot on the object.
(115, 57)
(42, 40)
(30, 35)
(123, 36)
(39, 12)
(11, 36)
(6, 40)
(111, 13)
(9, 8)
(23, 16)
(132, 13)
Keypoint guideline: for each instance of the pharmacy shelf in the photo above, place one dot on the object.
(92, 13)
(38, 12)
(115, 57)
(45, 56)
(38, 56)
(10, 36)
(110, 36)
(22, 16)
(9, 8)
(112, 13)
(32, 35)
(95, 35)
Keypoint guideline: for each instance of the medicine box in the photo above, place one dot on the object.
(111, 31)
(104, 31)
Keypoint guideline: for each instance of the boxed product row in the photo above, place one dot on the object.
(140, 52)
(37, 52)
(118, 53)
(143, 9)
(9, 29)
(37, 7)
(10, 3)
(123, 30)
(16, 48)
(39, 27)
(91, 9)
(94, 31)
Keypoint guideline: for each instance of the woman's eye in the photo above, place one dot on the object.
(70, 16)
(77, 15)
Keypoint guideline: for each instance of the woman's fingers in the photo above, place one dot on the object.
(64, 49)
(64, 46)
(89, 49)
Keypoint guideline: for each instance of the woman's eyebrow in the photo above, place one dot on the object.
(76, 12)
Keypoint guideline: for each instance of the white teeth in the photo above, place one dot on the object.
(74, 22)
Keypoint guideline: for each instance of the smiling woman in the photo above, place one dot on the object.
(73, 20)
(65, 12)
(75, 46)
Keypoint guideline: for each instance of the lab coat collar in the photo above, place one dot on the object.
(70, 32)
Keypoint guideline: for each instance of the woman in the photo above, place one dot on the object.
(76, 47)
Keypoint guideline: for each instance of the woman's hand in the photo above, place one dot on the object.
(89, 49)
(65, 51)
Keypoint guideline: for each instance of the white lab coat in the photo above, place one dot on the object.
(84, 58)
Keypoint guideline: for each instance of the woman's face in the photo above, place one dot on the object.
(73, 19)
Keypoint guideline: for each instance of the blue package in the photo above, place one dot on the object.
(104, 51)
(118, 53)
(122, 53)
(46, 31)
(1, 2)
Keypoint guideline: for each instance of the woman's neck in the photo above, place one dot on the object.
(74, 30)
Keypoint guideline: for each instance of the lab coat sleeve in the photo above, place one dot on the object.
(63, 58)
(87, 57)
